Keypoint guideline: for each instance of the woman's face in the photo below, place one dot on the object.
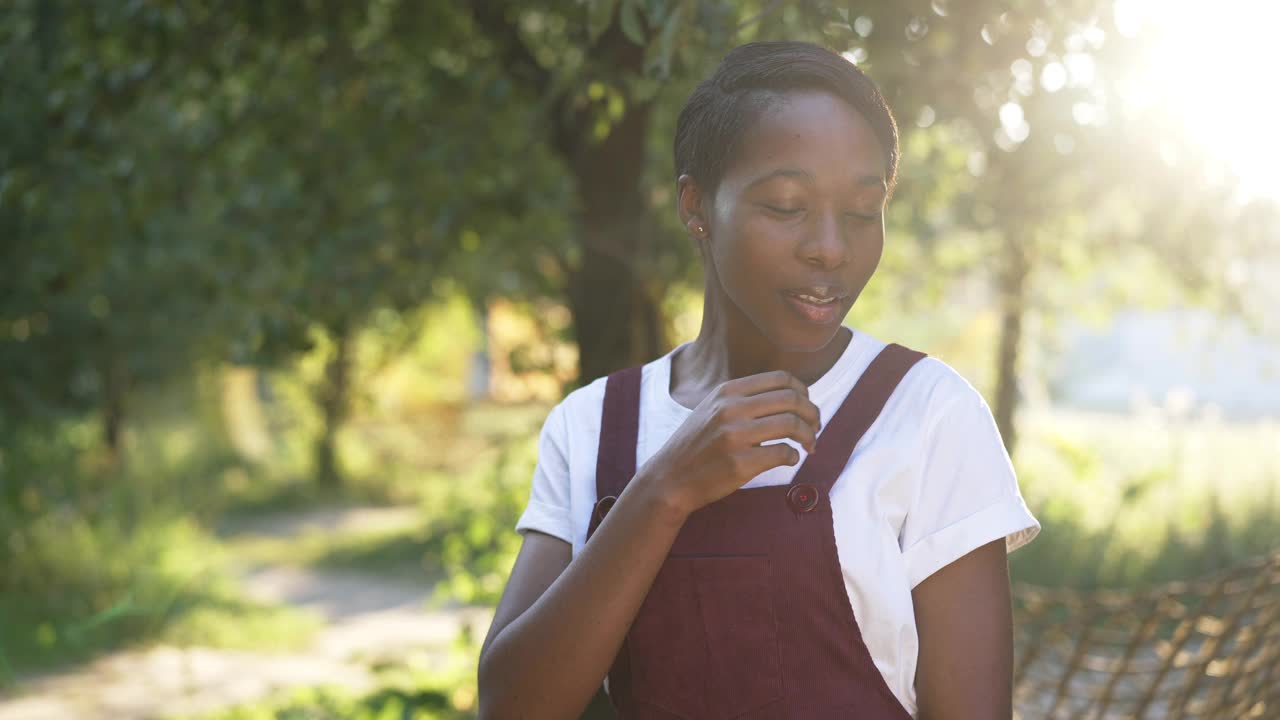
(796, 225)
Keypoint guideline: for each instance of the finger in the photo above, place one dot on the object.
(760, 458)
(779, 401)
(782, 425)
(763, 382)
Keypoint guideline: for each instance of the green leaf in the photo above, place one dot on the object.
(631, 22)
(599, 17)
(666, 41)
(655, 10)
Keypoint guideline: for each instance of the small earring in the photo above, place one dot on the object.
(699, 229)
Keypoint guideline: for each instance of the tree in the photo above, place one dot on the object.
(373, 171)
(188, 186)
(1062, 177)
(198, 183)
(111, 279)
(1024, 94)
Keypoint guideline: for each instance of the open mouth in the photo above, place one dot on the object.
(821, 310)
(816, 300)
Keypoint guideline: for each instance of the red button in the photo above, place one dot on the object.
(602, 507)
(802, 497)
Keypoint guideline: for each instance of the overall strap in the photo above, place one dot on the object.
(619, 430)
(854, 417)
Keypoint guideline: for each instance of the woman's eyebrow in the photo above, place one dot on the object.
(806, 176)
(797, 173)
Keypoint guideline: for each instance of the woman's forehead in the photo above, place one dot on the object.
(809, 136)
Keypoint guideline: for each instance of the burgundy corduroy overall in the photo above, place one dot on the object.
(748, 616)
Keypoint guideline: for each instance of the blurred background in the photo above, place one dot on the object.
(289, 287)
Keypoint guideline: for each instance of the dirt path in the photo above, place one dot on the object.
(368, 618)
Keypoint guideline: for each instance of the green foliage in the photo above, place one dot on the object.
(98, 553)
(250, 181)
(479, 545)
(430, 702)
(1130, 502)
(466, 540)
(104, 298)
(417, 689)
(76, 585)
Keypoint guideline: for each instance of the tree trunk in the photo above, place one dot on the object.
(333, 397)
(113, 404)
(616, 322)
(616, 319)
(1013, 300)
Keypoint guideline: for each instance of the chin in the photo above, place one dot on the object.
(796, 337)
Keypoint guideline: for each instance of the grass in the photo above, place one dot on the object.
(1140, 500)
(392, 462)
(394, 551)
(100, 554)
(416, 689)
(464, 539)
(88, 586)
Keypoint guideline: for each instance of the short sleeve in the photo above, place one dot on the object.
(548, 508)
(967, 494)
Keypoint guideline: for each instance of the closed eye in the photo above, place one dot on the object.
(783, 210)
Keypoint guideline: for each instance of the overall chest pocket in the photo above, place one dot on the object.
(705, 642)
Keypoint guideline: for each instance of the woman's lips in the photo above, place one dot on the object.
(819, 314)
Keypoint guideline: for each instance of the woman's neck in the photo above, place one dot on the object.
(729, 346)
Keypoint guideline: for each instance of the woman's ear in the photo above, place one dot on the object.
(689, 202)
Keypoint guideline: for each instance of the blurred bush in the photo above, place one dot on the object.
(99, 550)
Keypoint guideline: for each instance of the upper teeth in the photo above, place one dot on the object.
(816, 300)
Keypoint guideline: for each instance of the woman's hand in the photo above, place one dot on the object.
(577, 613)
(718, 448)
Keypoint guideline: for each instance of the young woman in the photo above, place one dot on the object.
(785, 517)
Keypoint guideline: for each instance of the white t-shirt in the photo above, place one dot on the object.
(928, 483)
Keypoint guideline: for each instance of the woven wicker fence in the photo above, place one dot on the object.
(1203, 649)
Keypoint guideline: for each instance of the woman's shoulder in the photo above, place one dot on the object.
(580, 409)
(932, 386)
(931, 379)
(588, 399)
(941, 382)
(585, 396)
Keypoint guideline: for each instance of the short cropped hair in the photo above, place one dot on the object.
(755, 77)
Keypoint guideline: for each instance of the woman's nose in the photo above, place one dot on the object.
(824, 244)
